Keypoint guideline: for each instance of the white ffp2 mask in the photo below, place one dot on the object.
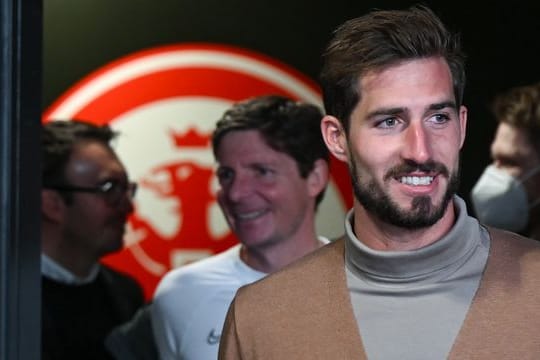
(500, 200)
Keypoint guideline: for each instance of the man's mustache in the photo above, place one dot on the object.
(410, 166)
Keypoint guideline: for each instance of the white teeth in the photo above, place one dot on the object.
(249, 215)
(416, 180)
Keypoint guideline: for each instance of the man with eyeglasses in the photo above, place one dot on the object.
(86, 199)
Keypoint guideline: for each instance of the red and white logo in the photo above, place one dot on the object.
(165, 102)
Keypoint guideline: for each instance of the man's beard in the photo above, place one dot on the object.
(423, 213)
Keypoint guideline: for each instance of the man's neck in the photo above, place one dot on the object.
(271, 258)
(55, 271)
(73, 261)
(382, 236)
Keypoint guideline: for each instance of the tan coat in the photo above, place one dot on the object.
(304, 311)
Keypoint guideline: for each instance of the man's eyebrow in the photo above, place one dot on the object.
(442, 105)
(263, 163)
(386, 111)
(401, 110)
(114, 176)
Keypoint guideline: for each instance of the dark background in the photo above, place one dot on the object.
(499, 37)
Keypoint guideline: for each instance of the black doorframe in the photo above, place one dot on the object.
(20, 112)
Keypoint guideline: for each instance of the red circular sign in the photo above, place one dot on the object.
(165, 101)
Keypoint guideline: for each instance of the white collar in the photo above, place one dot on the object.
(57, 272)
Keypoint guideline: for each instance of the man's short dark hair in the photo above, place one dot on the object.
(59, 138)
(520, 107)
(381, 39)
(287, 126)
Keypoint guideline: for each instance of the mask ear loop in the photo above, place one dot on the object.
(529, 174)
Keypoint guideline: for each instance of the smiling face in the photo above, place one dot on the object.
(403, 143)
(263, 196)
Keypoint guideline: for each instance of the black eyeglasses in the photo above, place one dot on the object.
(112, 191)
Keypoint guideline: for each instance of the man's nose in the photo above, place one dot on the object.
(240, 187)
(417, 143)
(126, 203)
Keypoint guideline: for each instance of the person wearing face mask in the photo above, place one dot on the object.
(507, 194)
(414, 276)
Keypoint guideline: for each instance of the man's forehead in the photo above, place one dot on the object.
(266, 157)
(512, 141)
(247, 142)
(419, 83)
(508, 135)
(93, 157)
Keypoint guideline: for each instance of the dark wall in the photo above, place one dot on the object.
(20, 86)
(500, 39)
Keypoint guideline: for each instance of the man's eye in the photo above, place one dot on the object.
(224, 175)
(263, 171)
(440, 118)
(108, 186)
(387, 123)
(111, 186)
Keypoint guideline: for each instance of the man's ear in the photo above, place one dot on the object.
(334, 136)
(462, 124)
(53, 206)
(317, 179)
